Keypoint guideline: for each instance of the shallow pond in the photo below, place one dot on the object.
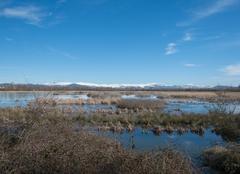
(189, 143)
(13, 99)
(173, 106)
(179, 106)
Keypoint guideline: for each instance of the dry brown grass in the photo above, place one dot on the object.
(195, 123)
(52, 146)
(107, 101)
(225, 159)
(140, 104)
(90, 101)
(203, 95)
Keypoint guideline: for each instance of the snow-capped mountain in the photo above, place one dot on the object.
(95, 85)
(143, 86)
(84, 85)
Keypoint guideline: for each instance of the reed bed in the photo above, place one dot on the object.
(52, 145)
(140, 104)
(42, 139)
(157, 122)
(90, 101)
(225, 159)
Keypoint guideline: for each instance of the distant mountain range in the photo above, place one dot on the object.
(94, 86)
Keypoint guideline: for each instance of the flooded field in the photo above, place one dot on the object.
(139, 122)
(174, 106)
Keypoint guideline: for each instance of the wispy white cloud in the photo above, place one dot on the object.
(217, 7)
(232, 70)
(225, 44)
(30, 14)
(171, 49)
(208, 38)
(187, 37)
(212, 9)
(190, 65)
(62, 53)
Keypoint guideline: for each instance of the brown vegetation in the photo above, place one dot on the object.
(140, 104)
(52, 145)
(226, 159)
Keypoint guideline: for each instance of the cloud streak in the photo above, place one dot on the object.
(187, 37)
(190, 65)
(215, 8)
(232, 70)
(30, 14)
(62, 53)
(171, 49)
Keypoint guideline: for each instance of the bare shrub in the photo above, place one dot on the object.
(226, 159)
(55, 148)
(221, 105)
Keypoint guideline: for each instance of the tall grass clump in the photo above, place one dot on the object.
(140, 104)
(222, 106)
(55, 147)
(225, 159)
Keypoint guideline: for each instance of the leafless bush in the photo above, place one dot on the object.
(55, 148)
(221, 105)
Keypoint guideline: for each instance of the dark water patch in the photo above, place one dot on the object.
(189, 143)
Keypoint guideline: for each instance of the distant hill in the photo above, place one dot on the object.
(91, 86)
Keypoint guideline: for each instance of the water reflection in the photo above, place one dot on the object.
(173, 106)
(189, 143)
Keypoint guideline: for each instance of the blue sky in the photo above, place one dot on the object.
(172, 42)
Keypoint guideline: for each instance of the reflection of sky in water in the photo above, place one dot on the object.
(71, 96)
(173, 106)
(147, 97)
(177, 106)
(12, 99)
(189, 143)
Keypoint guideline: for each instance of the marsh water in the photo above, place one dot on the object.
(173, 106)
(189, 143)
(140, 140)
